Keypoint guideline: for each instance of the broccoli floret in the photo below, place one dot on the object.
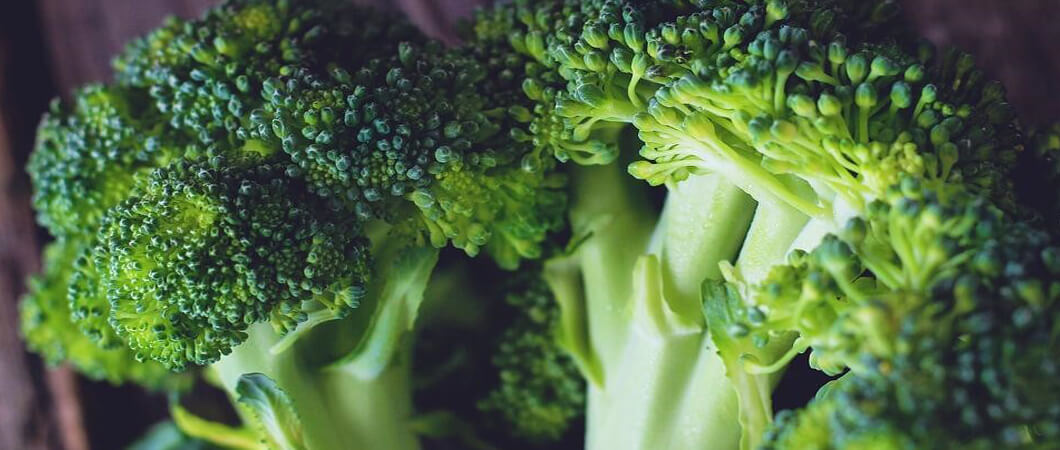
(207, 75)
(540, 391)
(49, 329)
(88, 156)
(199, 254)
(416, 140)
(969, 362)
(276, 186)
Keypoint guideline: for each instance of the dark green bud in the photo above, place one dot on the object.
(634, 36)
(670, 35)
(866, 96)
(776, 10)
(595, 36)
(883, 66)
(786, 62)
(857, 68)
(595, 61)
(901, 95)
(837, 52)
(802, 105)
(734, 36)
(829, 105)
(914, 73)
(622, 58)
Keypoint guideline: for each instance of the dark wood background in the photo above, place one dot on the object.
(47, 47)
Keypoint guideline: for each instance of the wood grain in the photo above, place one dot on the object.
(39, 410)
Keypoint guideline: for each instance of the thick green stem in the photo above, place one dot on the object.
(776, 225)
(670, 390)
(617, 221)
(664, 386)
(336, 410)
(704, 221)
(389, 313)
(377, 411)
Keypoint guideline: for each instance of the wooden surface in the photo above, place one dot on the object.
(38, 409)
(48, 47)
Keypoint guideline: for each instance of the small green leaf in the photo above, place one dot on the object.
(271, 407)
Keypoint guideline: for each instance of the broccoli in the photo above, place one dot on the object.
(964, 364)
(49, 329)
(262, 195)
(540, 392)
(781, 130)
(632, 214)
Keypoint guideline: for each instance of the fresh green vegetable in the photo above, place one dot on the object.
(665, 201)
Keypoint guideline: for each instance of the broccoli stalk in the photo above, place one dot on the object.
(336, 407)
(662, 383)
(771, 123)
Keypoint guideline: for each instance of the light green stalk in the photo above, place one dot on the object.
(334, 408)
(663, 386)
(663, 382)
(347, 380)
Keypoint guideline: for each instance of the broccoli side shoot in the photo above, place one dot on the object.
(541, 393)
(198, 254)
(49, 329)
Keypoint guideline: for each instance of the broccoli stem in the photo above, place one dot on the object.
(389, 313)
(359, 397)
(669, 390)
(775, 228)
(705, 221)
(664, 386)
(668, 387)
(336, 409)
(378, 411)
(616, 222)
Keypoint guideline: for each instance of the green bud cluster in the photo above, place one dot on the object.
(45, 315)
(970, 363)
(198, 254)
(540, 392)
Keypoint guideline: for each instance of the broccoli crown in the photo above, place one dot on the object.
(841, 296)
(227, 177)
(941, 310)
(198, 254)
(972, 368)
(88, 156)
(415, 140)
(48, 328)
(541, 391)
(770, 95)
(207, 75)
(87, 295)
(537, 30)
(767, 90)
